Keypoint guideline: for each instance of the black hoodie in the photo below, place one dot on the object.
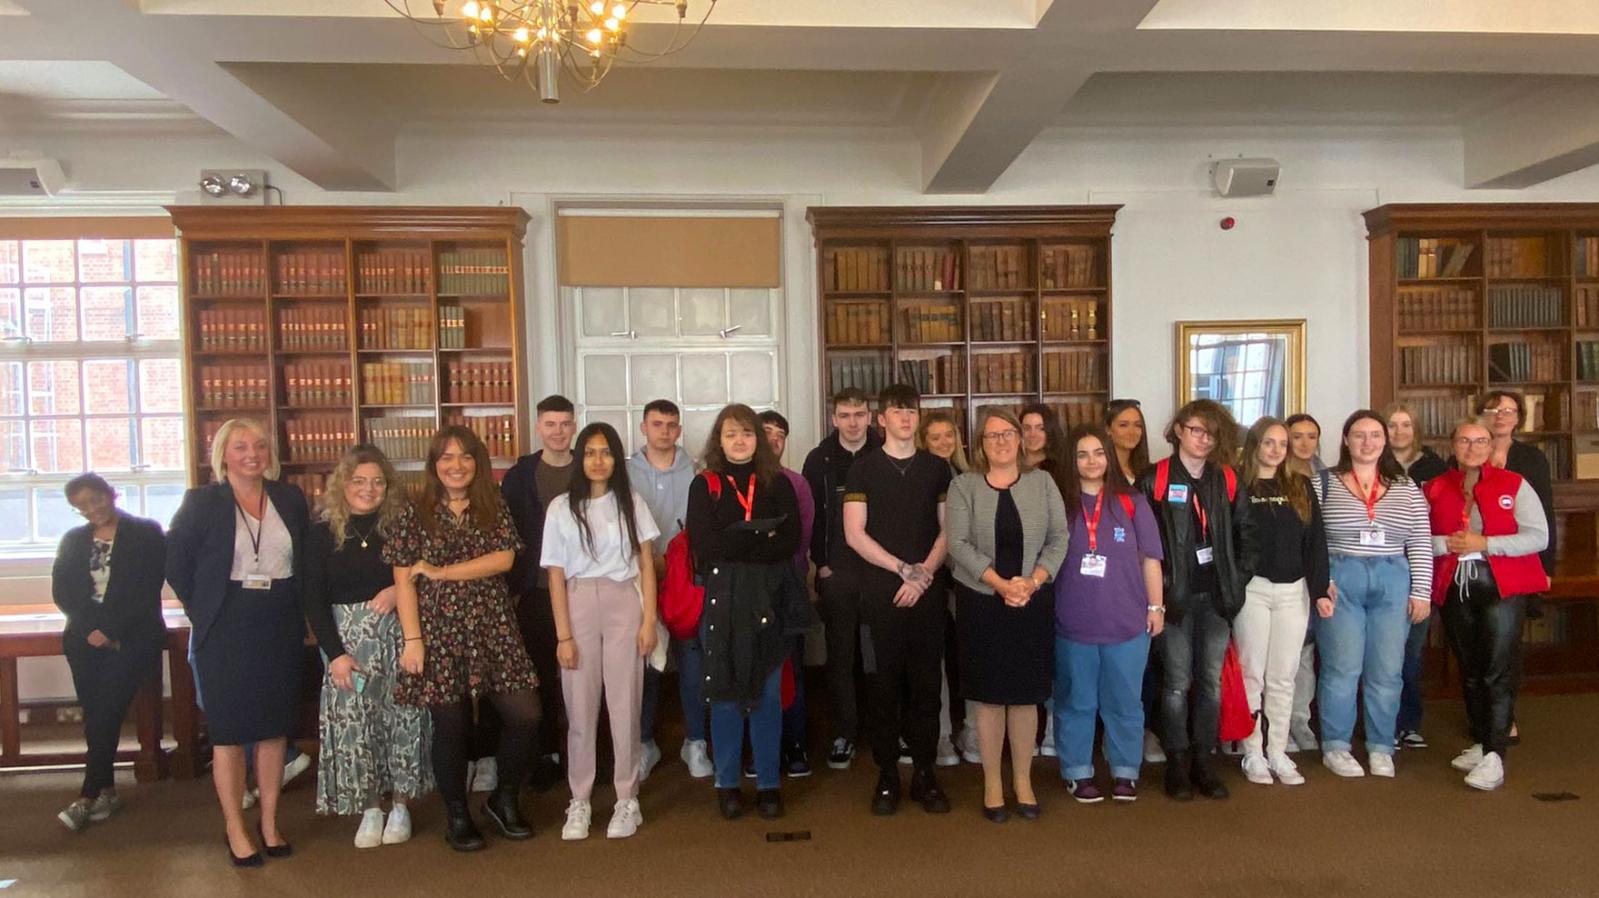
(826, 470)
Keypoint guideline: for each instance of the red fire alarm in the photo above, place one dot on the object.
(1227, 223)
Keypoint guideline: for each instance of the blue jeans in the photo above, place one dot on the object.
(1363, 645)
(766, 734)
(690, 674)
(1106, 680)
(1410, 695)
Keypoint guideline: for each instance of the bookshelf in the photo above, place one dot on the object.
(1470, 297)
(973, 305)
(337, 325)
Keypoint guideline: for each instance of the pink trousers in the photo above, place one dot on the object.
(606, 618)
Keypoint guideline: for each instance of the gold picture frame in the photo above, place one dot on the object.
(1254, 367)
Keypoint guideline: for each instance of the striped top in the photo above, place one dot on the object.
(1401, 515)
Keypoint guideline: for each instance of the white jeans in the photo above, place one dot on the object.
(1268, 634)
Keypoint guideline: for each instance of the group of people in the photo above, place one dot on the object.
(473, 631)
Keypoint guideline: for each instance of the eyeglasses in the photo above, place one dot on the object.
(1001, 436)
(1478, 443)
(1501, 412)
(1198, 431)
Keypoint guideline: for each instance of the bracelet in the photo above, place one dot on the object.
(567, 639)
(413, 639)
(1155, 609)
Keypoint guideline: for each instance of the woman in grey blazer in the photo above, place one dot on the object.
(1007, 538)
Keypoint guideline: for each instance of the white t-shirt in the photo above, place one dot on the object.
(564, 547)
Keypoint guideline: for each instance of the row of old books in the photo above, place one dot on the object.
(393, 273)
(868, 372)
(397, 383)
(1588, 360)
(941, 374)
(998, 268)
(479, 382)
(1516, 257)
(1586, 416)
(323, 383)
(1437, 308)
(406, 327)
(1074, 265)
(314, 485)
(452, 327)
(1001, 319)
(498, 432)
(856, 322)
(1526, 305)
(401, 437)
(1559, 455)
(1432, 257)
(474, 272)
(1437, 415)
(1072, 371)
(1444, 363)
(1521, 362)
(1586, 257)
(1586, 308)
(303, 328)
(229, 274)
(232, 330)
(234, 387)
(855, 269)
(927, 269)
(309, 274)
(931, 324)
(1002, 372)
(319, 437)
(1078, 411)
(1072, 319)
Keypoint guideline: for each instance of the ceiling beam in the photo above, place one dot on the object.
(1534, 138)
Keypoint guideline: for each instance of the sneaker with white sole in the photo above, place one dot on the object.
(1153, 753)
(966, 743)
(370, 833)
(1232, 747)
(1256, 770)
(398, 829)
(649, 756)
(251, 796)
(295, 766)
(1286, 771)
(486, 776)
(842, 753)
(104, 805)
(1342, 763)
(947, 755)
(1381, 764)
(1412, 739)
(76, 816)
(905, 759)
(624, 820)
(698, 759)
(1468, 759)
(1047, 746)
(1489, 774)
(1302, 737)
(578, 815)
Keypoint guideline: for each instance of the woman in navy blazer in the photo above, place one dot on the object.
(231, 558)
(107, 581)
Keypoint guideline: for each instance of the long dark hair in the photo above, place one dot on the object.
(1291, 486)
(1138, 459)
(1388, 468)
(1218, 420)
(1071, 483)
(483, 494)
(1054, 437)
(766, 464)
(579, 491)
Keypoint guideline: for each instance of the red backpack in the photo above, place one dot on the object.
(1163, 479)
(681, 600)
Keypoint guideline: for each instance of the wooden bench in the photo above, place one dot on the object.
(31, 632)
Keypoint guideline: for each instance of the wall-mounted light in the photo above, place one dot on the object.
(233, 186)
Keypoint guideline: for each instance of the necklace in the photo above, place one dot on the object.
(367, 535)
(901, 468)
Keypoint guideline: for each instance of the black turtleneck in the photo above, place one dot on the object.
(351, 575)
(710, 520)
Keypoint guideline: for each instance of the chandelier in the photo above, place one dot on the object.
(537, 40)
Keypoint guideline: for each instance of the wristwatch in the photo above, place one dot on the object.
(1155, 609)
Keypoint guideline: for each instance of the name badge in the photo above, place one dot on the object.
(1093, 566)
(257, 581)
(1374, 537)
(1177, 494)
(1205, 554)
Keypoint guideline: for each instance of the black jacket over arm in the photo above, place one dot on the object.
(200, 546)
(1232, 536)
(520, 488)
(1530, 462)
(132, 606)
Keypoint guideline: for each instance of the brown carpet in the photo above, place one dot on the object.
(1421, 834)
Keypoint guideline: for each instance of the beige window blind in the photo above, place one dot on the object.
(669, 251)
(87, 228)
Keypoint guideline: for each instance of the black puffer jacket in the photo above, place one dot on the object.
(1232, 536)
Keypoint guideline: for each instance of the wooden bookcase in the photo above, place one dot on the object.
(339, 325)
(1470, 297)
(973, 305)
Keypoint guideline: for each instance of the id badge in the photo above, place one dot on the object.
(1374, 537)
(1177, 494)
(1093, 566)
(1205, 554)
(257, 581)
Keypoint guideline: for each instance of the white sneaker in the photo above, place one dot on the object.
(697, 758)
(1468, 759)
(251, 796)
(1153, 753)
(104, 805)
(370, 834)
(1047, 747)
(624, 820)
(966, 742)
(1286, 771)
(399, 826)
(1256, 770)
(1381, 764)
(947, 755)
(1342, 763)
(485, 777)
(1489, 774)
(292, 769)
(578, 814)
(649, 755)
(1232, 747)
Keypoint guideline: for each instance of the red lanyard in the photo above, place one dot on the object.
(1465, 508)
(1369, 498)
(746, 502)
(1093, 523)
(1204, 522)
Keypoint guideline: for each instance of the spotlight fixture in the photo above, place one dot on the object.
(213, 186)
(241, 184)
(222, 185)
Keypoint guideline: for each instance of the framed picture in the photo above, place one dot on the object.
(1254, 367)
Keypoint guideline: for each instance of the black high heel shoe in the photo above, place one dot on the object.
(249, 860)
(996, 815)
(279, 851)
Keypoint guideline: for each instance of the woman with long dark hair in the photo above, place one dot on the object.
(448, 552)
(1043, 439)
(604, 605)
(1124, 420)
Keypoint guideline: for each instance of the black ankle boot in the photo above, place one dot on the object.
(769, 803)
(885, 797)
(1205, 779)
(925, 789)
(1178, 785)
(731, 803)
(507, 816)
(459, 830)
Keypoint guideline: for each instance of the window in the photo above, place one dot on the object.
(90, 373)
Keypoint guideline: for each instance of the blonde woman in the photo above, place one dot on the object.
(232, 555)
(939, 434)
(371, 746)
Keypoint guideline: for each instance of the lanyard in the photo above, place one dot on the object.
(255, 535)
(745, 502)
(1465, 507)
(1369, 498)
(1093, 523)
(1204, 522)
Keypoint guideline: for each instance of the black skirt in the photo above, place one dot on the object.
(1007, 655)
(247, 672)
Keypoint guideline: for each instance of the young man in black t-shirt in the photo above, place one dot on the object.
(894, 520)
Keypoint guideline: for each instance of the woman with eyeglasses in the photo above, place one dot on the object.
(1380, 551)
(1421, 464)
(1304, 458)
(1124, 419)
(1487, 529)
(938, 433)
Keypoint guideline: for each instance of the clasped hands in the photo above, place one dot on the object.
(915, 579)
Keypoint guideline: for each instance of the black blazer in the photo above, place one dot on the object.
(132, 606)
(1533, 466)
(200, 546)
(520, 489)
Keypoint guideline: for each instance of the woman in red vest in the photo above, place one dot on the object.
(1488, 528)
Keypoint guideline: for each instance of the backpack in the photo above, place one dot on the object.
(681, 598)
(1163, 479)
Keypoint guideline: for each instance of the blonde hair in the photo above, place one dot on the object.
(979, 456)
(943, 416)
(1394, 408)
(336, 509)
(219, 447)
